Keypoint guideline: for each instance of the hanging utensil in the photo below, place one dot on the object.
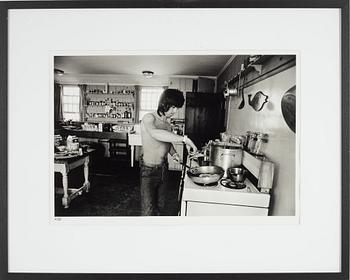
(258, 101)
(241, 105)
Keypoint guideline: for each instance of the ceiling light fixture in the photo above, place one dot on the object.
(59, 72)
(147, 74)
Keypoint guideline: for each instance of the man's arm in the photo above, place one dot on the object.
(164, 135)
(159, 134)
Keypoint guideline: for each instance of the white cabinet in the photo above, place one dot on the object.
(194, 208)
(185, 85)
(174, 83)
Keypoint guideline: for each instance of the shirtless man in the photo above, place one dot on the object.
(157, 140)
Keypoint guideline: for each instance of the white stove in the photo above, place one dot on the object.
(219, 200)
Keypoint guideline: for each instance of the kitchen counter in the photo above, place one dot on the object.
(95, 134)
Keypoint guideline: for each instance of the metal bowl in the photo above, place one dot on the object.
(236, 170)
(206, 175)
(237, 178)
(236, 174)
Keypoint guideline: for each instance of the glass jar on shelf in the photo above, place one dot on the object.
(247, 139)
(260, 144)
(251, 142)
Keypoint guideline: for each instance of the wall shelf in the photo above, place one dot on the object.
(262, 68)
(108, 107)
(111, 120)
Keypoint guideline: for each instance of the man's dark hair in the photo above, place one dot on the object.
(169, 98)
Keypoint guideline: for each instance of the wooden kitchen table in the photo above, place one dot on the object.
(64, 166)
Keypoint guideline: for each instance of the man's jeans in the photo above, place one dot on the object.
(153, 189)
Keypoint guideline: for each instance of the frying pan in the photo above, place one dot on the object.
(288, 107)
(206, 175)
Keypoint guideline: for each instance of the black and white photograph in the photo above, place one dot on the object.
(175, 139)
(175, 135)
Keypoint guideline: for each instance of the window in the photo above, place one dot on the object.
(149, 97)
(70, 103)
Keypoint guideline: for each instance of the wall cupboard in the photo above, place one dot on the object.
(184, 85)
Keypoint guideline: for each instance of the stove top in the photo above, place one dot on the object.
(207, 185)
(244, 194)
(224, 185)
(227, 183)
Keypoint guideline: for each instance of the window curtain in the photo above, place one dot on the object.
(58, 97)
(82, 101)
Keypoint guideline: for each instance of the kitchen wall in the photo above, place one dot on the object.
(281, 148)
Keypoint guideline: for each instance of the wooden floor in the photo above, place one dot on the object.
(115, 191)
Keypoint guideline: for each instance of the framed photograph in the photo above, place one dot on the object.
(174, 140)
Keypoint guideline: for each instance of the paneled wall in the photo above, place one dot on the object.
(281, 148)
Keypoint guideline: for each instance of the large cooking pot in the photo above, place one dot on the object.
(205, 175)
(225, 155)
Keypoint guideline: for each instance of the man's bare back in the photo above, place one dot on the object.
(154, 151)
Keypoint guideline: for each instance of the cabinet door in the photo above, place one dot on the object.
(174, 83)
(185, 85)
(189, 85)
(210, 209)
(180, 114)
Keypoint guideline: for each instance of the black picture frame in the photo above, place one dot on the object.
(343, 5)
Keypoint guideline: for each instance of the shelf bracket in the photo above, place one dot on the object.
(257, 68)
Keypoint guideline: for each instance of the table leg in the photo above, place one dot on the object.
(132, 147)
(86, 174)
(65, 199)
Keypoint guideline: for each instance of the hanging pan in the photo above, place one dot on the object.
(288, 108)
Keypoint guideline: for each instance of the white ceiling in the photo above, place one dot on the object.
(169, 65)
